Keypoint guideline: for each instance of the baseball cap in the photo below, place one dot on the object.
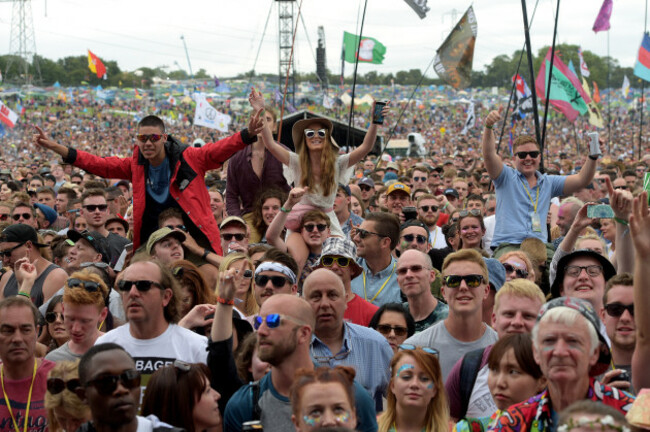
(366, 181)
(399, 187)
(96, 240)
(231, 219)
(451, 191)
(20, 233)
(162, 233)
(392, 165)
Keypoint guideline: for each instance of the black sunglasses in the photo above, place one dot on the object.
(364, 187)
(426, 208)
(328, 261)
(617, 309)
(93, 207)
(143, 138)
(364, 233)
(87, 285)
(10, 250)
(277, 281)
(523, 154)
(472, 280)
(141, 285)
(106, 385)
(180, 227)
(229, 237)
(385, 329)
(410, 237)
(57, 385)
(26, 216)
(51, 317)
(521, 273)
(311, 227)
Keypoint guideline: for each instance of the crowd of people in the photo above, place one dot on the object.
(149, 283)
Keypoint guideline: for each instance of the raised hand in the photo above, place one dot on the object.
(42, 139)
(295, 195)
(640, 225)
(581, 220)
(227, 286)
(256, 99)
(493, 117)
(256, 123)
(619, 200)
(197, 316)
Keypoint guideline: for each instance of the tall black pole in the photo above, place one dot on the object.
(512, 92)
(549, 73)
(354, 80)
(529, 54)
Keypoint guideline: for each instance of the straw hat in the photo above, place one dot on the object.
(298, 131)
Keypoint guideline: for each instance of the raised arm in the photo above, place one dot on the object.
(222, 323)
(256, 100)
(640, 228)
(276, 227)
(493, 163)
(621, 203)
(42, 139)
(369, 140)
(575, 182)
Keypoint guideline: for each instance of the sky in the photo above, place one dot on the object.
(223, 37)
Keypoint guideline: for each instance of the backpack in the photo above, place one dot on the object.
(469, 368)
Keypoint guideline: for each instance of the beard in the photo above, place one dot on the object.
(276, 353)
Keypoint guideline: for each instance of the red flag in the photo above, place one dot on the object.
(596, 95)
(96, 65)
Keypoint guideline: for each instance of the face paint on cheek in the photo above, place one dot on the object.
(343, 417)
(311, 421)
(405, 366)
(430, 386)
(404, 244)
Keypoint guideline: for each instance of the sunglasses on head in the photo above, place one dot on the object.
(51, 317)
(521, 273)
(89, 286)
(10, 250)
(57, 385)
(99, 265)
(143, 138)
(385, 329)
(328, 261)
(522, 154)
(277, 281)
(180, 227)
(617, 309)
(93, 207)
(410, 237)
(107, 384)
(472, 212)
(26, 216)
(141, 285)
(310, 133)
(409, 347)
(414, 269)
(472, 280)
(229, 237)
(311, 227)
(364, 233)
(272, 320)
(426, 208)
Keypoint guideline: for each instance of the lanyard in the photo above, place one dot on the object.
(365, 296)
(29, 398)
(530, 197)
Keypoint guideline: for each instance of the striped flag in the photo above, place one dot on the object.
(7, 116)
(584, 70)
(642, 67)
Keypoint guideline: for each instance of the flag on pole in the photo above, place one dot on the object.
(642, 67)
(370, 49)
(471, 118)
(206, 115)
(7, 116)
(596, 96)
(626, 86)
(0, 76)
(572, 68)
(523, 103)
(96, 66)
(454, 58)
(595, 117)
(566, 93)
(584, 70)
(602, 20)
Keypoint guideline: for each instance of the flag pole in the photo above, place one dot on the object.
(512, 91)
(354, 79)
(549, 73)
(529, 54)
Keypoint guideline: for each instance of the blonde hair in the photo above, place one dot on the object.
(530, 268)
(327, 166)
(591, 237)
(437, 416)
(250, 306)
(520, 288)
(69, 401)
(471, 255)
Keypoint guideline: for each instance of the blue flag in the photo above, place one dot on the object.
(642, 67)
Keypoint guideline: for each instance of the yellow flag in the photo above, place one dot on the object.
(595, 117)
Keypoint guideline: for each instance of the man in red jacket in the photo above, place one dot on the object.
(164, 173)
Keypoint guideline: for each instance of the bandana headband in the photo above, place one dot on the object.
(276, 266)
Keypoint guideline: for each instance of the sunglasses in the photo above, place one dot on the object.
(521, 273)
(414, 269)
(87, 285)
(107, 384)
(229, 237)
(277, 281)
(310, 133)
(592, 270)
(472, 212)
(180, 227)
(311, 227)
(364, 233)
(409, 347)
(385, 329)
(4, 217)
(57, 385)
(617, 309)
(472, 280)
(51, 317)
(272, 320)
(410, 237)
(364, 188)
(10, 250)
(522, 154)
(426, 208)
(621, 187)
(328, 261)
(143, 138)
(93, 207)
(419, 179)
(99, 265)
(26, 216)
(141, 285)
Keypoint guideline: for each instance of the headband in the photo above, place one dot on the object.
(276, 266)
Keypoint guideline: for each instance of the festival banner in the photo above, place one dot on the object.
(602, 20)
(595, 117)
(566, 93)
(523, 98)
(206, 115)
(96, 66)
(584, 70)
(7, 116)
(596, 96)
(642, 66)
(454, 58)
(370, 49)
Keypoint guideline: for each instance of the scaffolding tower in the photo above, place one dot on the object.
(321, 60)
(286, 25)
(22, 45)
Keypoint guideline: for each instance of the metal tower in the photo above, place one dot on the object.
(321, 61)
(22, 45)
(286, 25)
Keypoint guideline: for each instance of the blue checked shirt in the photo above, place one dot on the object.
(352, 220)
(366, 351)
(374, 282)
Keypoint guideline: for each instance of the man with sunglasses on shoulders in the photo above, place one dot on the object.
(164, 173)
(465, 285)
(152, 301)
(523, 193)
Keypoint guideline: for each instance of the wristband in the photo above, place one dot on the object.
(489, 127)
(593, 157)
(225, 302)
(622, 221)
(24, 294)
(284, 210)
(206, 252)
(445, 206)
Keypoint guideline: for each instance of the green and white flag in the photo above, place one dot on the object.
(370, 50)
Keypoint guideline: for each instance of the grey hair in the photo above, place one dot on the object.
(567, 316)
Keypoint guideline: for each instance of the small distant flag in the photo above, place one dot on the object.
(471, 119)
(602, 20)
(584, 70)
(523, 98)
(7, 116)
(171, 100)
(370, 49)
(137, 94)
(596, 95)
(96, 66)
(642, 67)
(626, 86)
